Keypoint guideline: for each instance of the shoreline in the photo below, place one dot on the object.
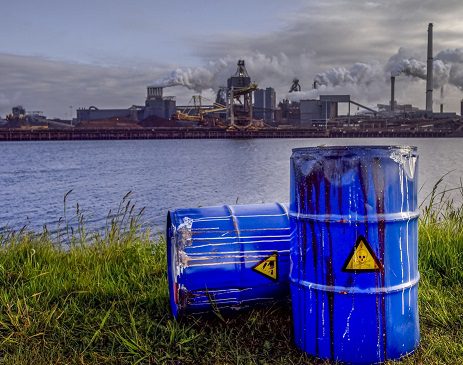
(212, 133)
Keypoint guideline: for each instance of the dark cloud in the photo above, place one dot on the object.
(53, 86)
(348, 40)
(339, 32)
(332, 40)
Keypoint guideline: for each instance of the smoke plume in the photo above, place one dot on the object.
(361, 80)
(451, 55)
(453, 58)
(447, 67)
(263, 69)
(197, 79)
(357, 74)
(304, 95)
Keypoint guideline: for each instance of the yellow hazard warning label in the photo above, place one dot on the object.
(362, 258)
(268, 267)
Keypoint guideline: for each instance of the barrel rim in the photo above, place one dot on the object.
(171, 266)
(356, 147)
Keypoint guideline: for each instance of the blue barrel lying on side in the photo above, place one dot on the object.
(354, 276)
(227, 257)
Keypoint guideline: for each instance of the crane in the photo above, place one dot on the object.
(198, 112)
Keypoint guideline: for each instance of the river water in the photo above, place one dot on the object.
(168, 174)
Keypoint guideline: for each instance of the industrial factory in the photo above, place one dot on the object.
(242, 108)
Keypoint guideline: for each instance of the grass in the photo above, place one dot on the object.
(80, 298)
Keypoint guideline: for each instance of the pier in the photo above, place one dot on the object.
(212, 133)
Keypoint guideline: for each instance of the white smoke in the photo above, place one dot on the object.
(410, 67)
(263, 69)
(279, 70)
(456, 76)
(441, 73)
(363, 81)
(454, 59)
(407, 62)
(304, 95)
(415, 68)
(451, 55)
(447, 67)
(357, 74)
(198, 78)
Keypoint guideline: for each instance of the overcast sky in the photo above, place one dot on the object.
(58, 55)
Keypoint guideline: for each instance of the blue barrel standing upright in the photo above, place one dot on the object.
(227, 257)
(354, 273)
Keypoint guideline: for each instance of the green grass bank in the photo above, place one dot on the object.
(104, 300)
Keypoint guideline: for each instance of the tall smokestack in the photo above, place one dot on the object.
(429, 72)
(392, 93)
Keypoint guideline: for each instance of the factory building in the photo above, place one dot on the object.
(397, 108)
(134, 113)
(288, 112)
(325, 108)
(265, 104)
(241, 105)
(311, 111)
(156, 105)
(318, 110)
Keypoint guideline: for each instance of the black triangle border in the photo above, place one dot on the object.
(277, 267)
(370, 250)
